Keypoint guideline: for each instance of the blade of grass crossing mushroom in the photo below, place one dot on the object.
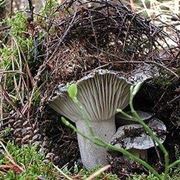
(148, 130)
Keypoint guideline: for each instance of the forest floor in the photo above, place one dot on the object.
(64, 43)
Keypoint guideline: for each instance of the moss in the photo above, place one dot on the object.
(31, 161)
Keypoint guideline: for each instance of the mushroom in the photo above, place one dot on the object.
(100, 94)
(133, 138)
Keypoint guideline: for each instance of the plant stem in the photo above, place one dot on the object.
(103, 144)
(127, 154)
(151, 133)
(174, 164)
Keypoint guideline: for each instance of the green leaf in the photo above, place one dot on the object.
(65, 121)
(72, 91)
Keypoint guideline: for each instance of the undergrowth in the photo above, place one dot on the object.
(27, 163)
(35, 167)
(19, 61)
(29, 159)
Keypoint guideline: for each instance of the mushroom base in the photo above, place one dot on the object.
(139, 153)
(91, 154)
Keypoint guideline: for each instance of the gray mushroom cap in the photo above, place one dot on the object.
(133, 136)
(143, 72)
(100, 94)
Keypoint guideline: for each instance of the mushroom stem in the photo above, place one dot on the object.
(140, 153)
(91, 154)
